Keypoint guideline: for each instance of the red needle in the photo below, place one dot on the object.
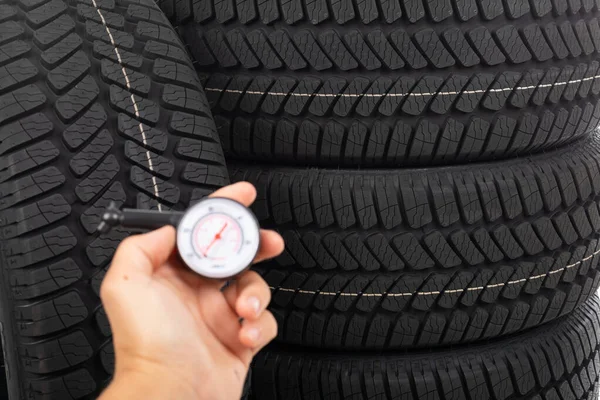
(217, 237)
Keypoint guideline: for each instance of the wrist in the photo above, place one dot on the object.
(148, 382)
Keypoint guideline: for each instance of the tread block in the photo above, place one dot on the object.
(146, 30)
(110, 19)
(97, 180)
(115, 38)
(83, 161)
(76, 100)
(16, 191)
(20, 253)
(41, 15)
(13, 50)
(44, 280)
(16, 73)
(123, 57)
(85, 127)
(141, 133)
(57, 354)
(168, 71)
(151, 162)
(186, 100)
(53, 32)
(154, 49)
(125, 78)
(20, 101)
(51, 316)
(61, 50)
(17, 222)
(133, 105)
(9, 31)
(69, 72)
(29, 158)
(23, 131)
(154, 186)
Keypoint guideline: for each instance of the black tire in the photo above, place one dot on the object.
(401, 82)
(71, 141)
(432, 256)
(559, 361)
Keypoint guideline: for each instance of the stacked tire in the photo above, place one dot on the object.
(434, 168)
(99, 102)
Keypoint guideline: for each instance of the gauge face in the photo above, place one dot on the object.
(218, 238)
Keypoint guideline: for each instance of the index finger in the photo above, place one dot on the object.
(144, 252)
(242, 192)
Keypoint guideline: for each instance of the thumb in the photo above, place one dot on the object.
(144, 253)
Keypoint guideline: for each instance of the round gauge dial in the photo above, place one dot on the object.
(218, 238)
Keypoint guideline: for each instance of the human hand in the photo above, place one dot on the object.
(178, 335)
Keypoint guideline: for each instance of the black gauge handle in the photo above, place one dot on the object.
(134, 218)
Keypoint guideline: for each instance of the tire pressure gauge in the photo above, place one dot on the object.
(216, 238)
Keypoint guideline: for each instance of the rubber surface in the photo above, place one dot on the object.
(558, 361)
(383, 83)
(99, 102)
(423, 257)
(3, 381)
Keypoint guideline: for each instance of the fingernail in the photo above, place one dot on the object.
(254, 304)
(253, 334)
